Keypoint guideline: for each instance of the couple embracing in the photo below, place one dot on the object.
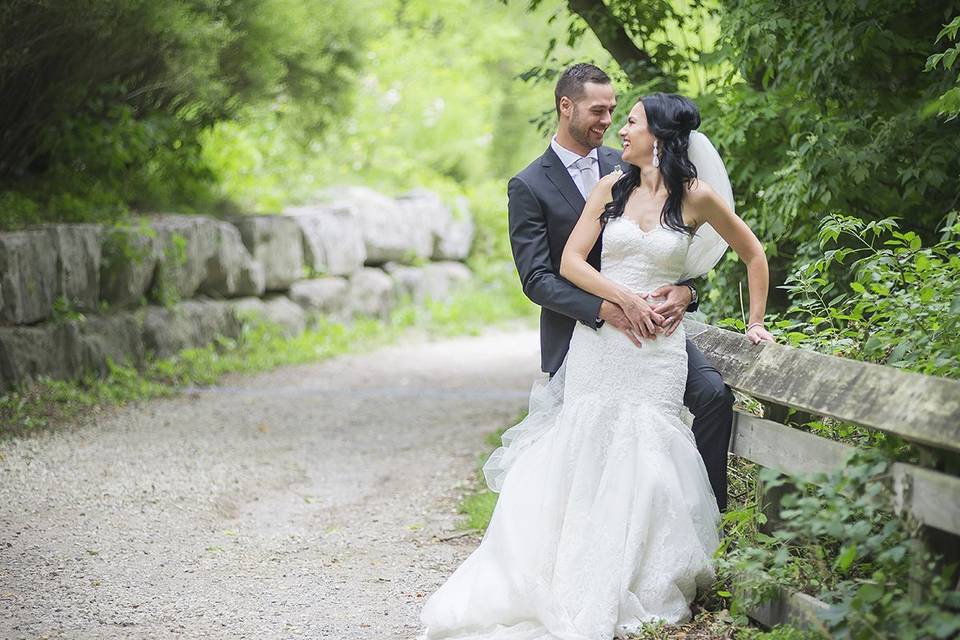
(609, 503)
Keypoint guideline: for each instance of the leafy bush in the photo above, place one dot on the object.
(879, 295)
(838, 541)
(825, 112)
(105, 102)
(948, 104)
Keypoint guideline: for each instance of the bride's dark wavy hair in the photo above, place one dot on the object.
(670, 118)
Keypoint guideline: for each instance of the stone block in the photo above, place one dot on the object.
(332, 238)
(371, 293)
(391, 232)
(433, 281)
(28, 276)
(321, 295)
(77, 247)
(285, 313)
(230, 269)
(451, 230)
(276, 243)
(46, 349)
(185, 245)
(191, 323)
(129, 258)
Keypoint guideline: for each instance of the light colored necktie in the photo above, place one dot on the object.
(587, 177)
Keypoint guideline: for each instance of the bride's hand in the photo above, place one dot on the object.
(757, 334)
(676, 299)
(643, 319)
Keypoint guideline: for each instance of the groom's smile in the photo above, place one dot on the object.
(590, 115)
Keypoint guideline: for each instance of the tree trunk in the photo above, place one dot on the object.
(635, 62)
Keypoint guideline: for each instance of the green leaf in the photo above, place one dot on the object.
(870, 592)
(847, 555)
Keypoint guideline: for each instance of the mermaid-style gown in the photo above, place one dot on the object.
(605, 519)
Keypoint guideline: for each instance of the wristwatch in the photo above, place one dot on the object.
(693, 293)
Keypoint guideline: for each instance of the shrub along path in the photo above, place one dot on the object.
(310, 501)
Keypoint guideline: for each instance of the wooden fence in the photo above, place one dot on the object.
(921, 409)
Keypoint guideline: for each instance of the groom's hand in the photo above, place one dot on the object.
(678, 297)
(612, 314)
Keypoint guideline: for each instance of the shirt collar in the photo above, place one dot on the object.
(568, 157)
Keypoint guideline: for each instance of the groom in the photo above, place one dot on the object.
(546, 200)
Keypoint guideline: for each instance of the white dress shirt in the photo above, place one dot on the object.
(569, 160)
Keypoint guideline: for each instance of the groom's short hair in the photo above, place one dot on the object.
(571, 82)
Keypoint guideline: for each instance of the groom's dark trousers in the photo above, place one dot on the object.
(545, 204)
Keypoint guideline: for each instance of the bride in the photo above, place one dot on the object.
(606, 519)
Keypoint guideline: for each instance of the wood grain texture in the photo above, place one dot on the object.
(931, 497)
(794, 608)
(920, 408)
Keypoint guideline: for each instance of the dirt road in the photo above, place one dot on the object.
(307, 502)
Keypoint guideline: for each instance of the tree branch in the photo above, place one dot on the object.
(635, 62)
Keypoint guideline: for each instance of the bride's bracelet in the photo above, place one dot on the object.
(752, 325)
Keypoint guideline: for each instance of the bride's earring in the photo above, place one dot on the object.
(656, 155)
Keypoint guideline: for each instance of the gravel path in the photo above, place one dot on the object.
(307, 502)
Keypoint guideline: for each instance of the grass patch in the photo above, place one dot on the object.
(48, 403)
(477, 505)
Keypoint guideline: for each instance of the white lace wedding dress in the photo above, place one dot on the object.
(605, 519)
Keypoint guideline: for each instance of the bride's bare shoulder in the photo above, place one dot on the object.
(699, 200)
(700, 195)
(698, 190)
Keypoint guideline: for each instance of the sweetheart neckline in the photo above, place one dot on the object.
(637, 226)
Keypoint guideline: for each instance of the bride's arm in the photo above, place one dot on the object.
(707, 206)
(575, 268)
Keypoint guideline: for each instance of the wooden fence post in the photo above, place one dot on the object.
(771, 498)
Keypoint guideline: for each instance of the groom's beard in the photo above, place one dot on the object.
(581, 133)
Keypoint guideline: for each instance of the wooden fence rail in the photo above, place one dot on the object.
(917, 408)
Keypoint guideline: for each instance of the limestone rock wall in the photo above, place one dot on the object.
(73, 296)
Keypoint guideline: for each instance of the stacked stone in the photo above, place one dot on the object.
(73, 296)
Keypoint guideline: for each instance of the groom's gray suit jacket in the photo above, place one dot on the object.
(544, 206)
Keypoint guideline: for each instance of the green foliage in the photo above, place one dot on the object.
(478, 509)
(109, 113)
(439, 106)
(822, 114)
(880, 295)
(845, 143)
(478, 504)
(839, 542)
(65, 310)
(948, 104)
(124, 243)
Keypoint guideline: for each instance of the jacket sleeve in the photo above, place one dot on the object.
(531, 253)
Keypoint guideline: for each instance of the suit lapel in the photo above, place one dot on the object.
(608, 158)
(560, 177)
